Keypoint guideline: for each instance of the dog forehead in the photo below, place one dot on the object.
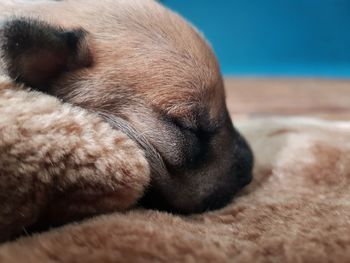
(160, 56)
(171, 83)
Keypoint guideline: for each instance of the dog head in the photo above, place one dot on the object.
(148, 73)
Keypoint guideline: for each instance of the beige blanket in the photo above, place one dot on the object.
(59, 163)
(297, 209)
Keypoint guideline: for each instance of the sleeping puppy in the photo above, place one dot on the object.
(146, 72)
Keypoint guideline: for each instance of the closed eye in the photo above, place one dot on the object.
(200, 131)
(195, 146)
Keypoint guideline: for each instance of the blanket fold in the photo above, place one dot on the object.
(60, 163)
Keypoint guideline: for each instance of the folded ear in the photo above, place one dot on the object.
(36, 53)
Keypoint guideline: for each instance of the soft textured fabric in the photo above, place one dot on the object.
(59, 163)
(296, 209)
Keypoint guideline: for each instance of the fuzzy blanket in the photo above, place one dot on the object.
(297, 208)
(59, 163)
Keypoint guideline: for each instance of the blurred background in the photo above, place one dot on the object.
(292, 38)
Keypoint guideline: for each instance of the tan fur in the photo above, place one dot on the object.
(59, 162)
(296, 210)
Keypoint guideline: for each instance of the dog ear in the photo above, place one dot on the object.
(36, 53)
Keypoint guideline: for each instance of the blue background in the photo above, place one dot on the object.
(274, 37)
